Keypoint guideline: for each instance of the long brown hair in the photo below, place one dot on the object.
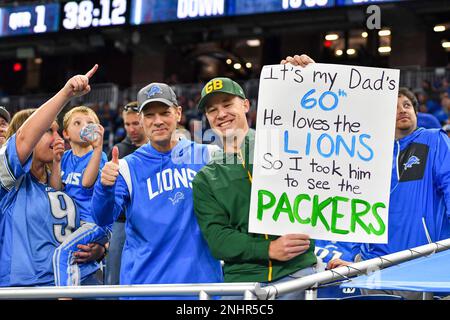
(18, 120)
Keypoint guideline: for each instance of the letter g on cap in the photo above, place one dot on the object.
(213, 85)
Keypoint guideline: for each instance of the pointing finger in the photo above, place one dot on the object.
(91, 72)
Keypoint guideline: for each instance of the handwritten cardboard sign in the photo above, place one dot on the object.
(323, 152)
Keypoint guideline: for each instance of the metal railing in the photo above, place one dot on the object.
(357, 268)
(249, 291)
(412, 77)
(203, 291)
(100, 94)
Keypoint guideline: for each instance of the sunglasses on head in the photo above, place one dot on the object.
(133, 107)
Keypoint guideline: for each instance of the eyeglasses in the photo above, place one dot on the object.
(133, 107)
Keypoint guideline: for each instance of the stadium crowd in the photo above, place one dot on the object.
(433, 98)
(205, 203)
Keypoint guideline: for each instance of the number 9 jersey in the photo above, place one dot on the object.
(34, 220)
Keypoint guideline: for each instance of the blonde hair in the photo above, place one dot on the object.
(18, 120)
(81, 109)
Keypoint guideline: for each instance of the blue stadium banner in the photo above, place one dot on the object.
(76, 14)
(248, 7)
(152, 11)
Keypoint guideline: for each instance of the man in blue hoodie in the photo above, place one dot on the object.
(153, 186)
(419, 207)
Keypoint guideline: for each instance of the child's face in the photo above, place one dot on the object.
(76, 123)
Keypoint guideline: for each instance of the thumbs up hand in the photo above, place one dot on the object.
(110, 171)
(115, 155)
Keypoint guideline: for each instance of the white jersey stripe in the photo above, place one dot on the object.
(7, 179)
(124, 170)
(83, 231)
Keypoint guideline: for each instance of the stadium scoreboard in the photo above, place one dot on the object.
(75, 15)
(29, 19)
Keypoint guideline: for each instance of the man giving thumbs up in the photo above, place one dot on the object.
(153, 186)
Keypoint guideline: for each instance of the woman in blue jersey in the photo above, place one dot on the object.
(154, 189)
(35, 218)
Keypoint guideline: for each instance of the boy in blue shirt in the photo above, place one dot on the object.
(79, 170)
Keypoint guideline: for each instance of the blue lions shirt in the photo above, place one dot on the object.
(72, 168)
(419, 204)
(163, 243)
(34, 220)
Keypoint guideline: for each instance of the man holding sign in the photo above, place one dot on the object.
(222, 198)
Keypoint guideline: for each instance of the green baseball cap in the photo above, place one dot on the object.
(224, 85)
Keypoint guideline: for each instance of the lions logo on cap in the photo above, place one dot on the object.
(154, 90)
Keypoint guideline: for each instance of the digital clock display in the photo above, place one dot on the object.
(87, 14)
(24, 20)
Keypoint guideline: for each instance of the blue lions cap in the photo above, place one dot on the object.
(156, 92)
